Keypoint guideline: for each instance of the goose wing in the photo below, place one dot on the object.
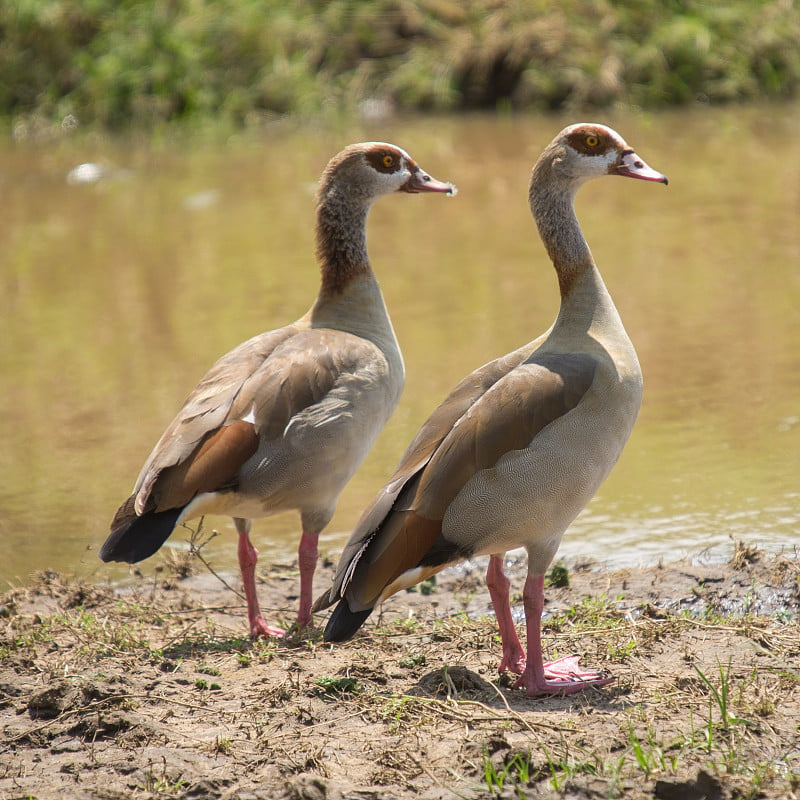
(499, 408)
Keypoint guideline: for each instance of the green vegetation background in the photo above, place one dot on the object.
(118, 63)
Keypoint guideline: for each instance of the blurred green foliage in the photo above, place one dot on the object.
(123, 62)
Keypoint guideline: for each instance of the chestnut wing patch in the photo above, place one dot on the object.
(212, 467)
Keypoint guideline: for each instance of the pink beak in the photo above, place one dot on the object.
(420, 181)
(633, 167)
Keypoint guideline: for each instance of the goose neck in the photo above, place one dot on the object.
(588, 303)
(553, 208)
(341, 241)
(359, 308)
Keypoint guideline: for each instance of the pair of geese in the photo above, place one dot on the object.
(507, 460)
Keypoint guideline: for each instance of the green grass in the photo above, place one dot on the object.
(515, 771)
(337, 686)
(591, 612)
(118, 64)
(720, 696)
(558, 577)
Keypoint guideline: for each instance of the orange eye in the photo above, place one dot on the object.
(592, 140)
(388, 160)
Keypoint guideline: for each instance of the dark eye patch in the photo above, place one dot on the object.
(577, 140)
(383, 160)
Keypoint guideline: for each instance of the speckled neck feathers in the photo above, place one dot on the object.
(341, 235)
(551, 198)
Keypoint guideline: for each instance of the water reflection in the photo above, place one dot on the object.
(117, 294)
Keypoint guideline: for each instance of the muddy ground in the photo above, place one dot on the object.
(154, 690)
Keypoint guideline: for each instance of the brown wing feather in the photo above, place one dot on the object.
(506, 418)
(295, 378)
(453, 408)
(213, 466)
(403, 543)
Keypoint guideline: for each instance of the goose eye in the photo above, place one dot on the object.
(388, 160)
(592, 140)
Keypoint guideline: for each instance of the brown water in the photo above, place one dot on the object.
(116, 296)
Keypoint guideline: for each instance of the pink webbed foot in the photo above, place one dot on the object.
(513, 661)
(561, 677)
(260, 628)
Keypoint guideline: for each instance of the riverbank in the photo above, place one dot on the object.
(241, 62)
(153, 691)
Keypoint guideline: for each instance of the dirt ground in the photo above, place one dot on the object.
(153, 690)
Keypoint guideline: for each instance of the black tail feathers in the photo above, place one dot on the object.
(134, 538)
(344, 623)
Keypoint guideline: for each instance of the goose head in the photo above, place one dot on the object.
(371, 169)
(589, 150)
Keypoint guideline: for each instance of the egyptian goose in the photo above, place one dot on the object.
(520, 446)
(283, 420)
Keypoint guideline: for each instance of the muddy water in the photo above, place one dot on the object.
(116, 295)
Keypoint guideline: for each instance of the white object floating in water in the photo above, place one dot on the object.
(198, 200)
(89, 172)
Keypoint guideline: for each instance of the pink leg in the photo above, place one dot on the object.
(497, 582)
(556, 677)
(307, 561)
(248, 556)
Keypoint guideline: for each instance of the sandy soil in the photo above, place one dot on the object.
(154, 690)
